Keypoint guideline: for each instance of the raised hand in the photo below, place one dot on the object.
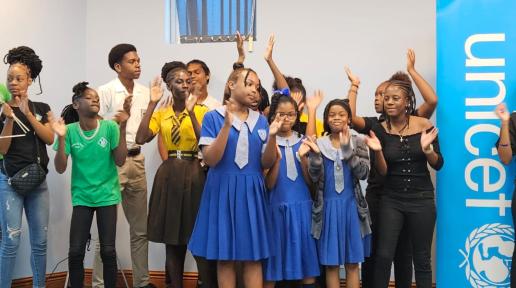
(121, 116)
(428, 138)
(303, 149)
(314, 101)
(195, 89)
(128, 102)
(156, 89)
(57, 124)
(276, 125)
(352, 77)
(23, 104)
(411, 60)
(502, 113)
(7, 111)
(268, 52)
(278, 153)
(166, 101)
(298, 97)
(190, 102)
(228, 115)
(240, 46)
(373, 142)
(308, 145)
(345, 135)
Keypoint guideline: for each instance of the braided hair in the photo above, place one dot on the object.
(233, 77)
(26, 56)
(69, 114)
(344, 103)
(278, 99)
(264, 96)
(403, 82)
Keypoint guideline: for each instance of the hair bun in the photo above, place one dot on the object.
(79, 88)
(400, 76)
(169, 66)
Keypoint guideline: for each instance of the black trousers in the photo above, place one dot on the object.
(402, 258)
(418, 216)
(82, 217)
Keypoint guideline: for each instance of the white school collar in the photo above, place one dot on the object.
(251, 121)
(292, 140)
(327, 149)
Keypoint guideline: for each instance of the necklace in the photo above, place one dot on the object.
(92, 135)
(400, 131)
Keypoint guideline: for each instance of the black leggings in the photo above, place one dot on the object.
(82, 217)
(403, 256)
(418, 216)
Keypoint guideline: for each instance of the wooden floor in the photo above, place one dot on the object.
(57, 280)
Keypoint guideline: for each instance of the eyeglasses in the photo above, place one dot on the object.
(291, 115)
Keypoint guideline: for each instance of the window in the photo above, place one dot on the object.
(196, 21)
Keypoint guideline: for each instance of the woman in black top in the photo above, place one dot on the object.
(21, 149)
(506, 150)
(403, 146)
(403, 257)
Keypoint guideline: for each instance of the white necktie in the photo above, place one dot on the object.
(338, 173)
(242, 149)
(291, 164)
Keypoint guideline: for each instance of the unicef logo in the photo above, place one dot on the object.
(487, 255)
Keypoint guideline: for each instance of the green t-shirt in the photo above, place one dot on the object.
(94, 173)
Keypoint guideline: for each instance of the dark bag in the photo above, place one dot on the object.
(29, 177)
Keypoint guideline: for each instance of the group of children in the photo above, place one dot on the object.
(252, 190)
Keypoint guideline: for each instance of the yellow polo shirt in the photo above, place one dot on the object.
(319, 127)
(161, 122)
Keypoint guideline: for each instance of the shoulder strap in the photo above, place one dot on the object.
(36, 136)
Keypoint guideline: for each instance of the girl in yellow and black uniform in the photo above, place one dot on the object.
(179, 181)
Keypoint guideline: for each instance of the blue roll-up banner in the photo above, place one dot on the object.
(476, 66)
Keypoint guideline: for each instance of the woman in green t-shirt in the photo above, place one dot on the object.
(96, 146)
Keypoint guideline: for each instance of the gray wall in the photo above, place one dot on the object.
(314, 41)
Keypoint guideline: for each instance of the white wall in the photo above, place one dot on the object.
(314, 41)
(56, 30)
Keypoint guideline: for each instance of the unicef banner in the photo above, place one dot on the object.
(476, 66)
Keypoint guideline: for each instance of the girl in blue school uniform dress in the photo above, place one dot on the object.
(340, 218)
(294, 248)
(233, 222)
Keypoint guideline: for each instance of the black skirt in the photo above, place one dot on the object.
(174, 201)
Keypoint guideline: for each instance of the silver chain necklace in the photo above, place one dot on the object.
(92, 135)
